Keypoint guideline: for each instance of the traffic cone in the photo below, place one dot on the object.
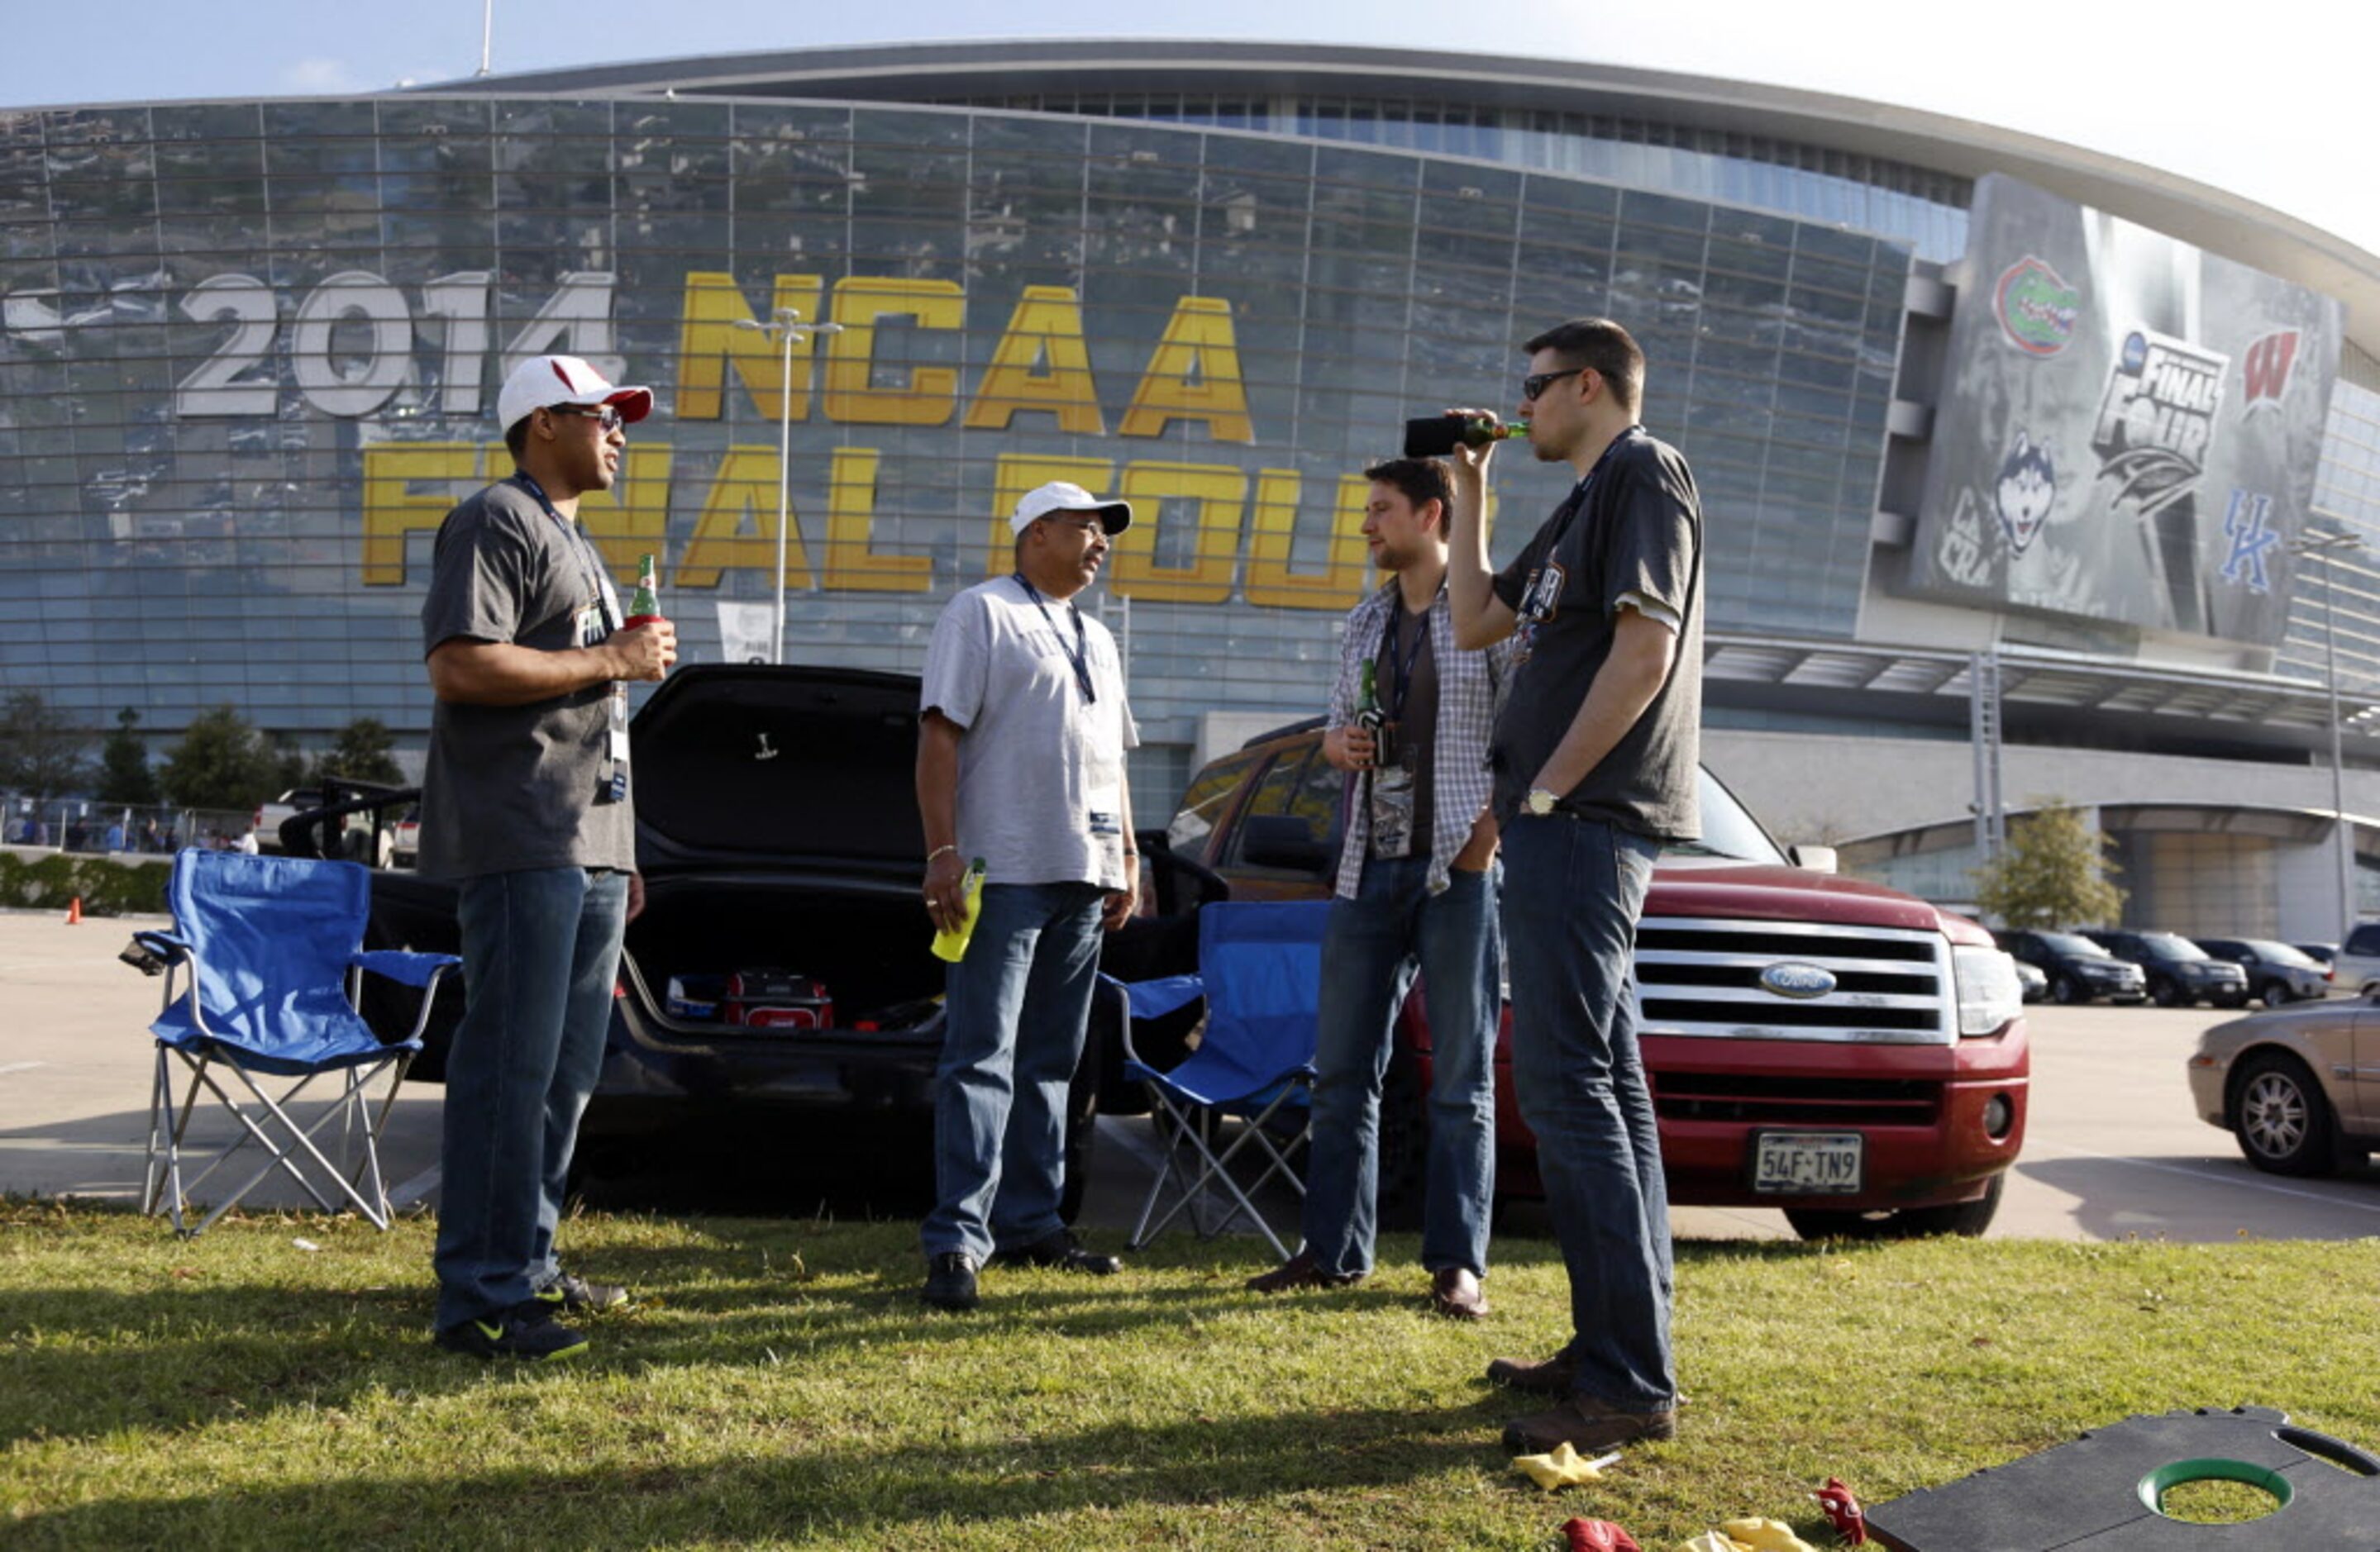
(74, 912)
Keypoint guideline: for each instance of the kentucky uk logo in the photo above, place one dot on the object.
(2157, 418)
(2248, 523)
(2037, 307)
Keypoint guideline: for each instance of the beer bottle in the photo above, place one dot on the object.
(646, 606)
(1369, 715)
(1437, 435)
(951, 942)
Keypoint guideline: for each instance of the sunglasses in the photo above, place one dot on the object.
(1537, 383)
(606, 418)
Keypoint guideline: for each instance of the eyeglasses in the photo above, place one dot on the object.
(607, 419)
(1537, 383)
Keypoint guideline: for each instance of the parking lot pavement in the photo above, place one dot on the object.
(2112, 1148)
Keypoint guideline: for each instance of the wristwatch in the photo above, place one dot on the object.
(1541, 800)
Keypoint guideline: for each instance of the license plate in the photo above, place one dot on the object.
(1806, 1163)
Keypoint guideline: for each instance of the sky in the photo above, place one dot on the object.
(2263, 104)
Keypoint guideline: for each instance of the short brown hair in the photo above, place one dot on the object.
(1603, 346)
(1420, 480)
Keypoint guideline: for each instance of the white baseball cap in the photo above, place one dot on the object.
(564, 380)
(1058, 496)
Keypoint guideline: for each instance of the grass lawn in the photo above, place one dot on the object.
(779, 1385)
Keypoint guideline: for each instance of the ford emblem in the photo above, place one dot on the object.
(1793, 978)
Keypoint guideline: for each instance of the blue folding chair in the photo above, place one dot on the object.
(1261, 971)
(269, 954)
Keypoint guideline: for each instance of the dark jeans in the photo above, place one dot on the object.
(540, 950)
(1376, 941)
(1018, 1005)
(1572, 892)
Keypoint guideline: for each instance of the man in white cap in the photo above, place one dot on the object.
(526, 805)
(1021, 763)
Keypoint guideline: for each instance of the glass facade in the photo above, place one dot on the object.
(1925, 210)
(249, 355)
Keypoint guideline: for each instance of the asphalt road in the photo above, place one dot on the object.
(2112, 1149)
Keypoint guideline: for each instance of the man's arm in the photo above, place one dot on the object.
(938, 808)
(1118, 907)
(465, 672)
(1480, 618)
(1642, 651)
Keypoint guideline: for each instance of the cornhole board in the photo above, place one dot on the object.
(2100, 1494)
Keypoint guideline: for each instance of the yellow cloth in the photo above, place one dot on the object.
(1564, 1467)
(1748, 1535)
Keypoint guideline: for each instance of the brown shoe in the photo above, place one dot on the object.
(1455, 1293)
(1300, 1271)
(1587, 1427)
(1552, 1378)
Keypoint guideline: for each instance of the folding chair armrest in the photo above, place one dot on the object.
(1152, 999)
(404, 966)
(165, 945)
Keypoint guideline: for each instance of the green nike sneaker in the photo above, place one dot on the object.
(528, 1332)
(570, 1292)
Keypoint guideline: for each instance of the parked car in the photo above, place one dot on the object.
(2276, 971)
(2323, 954)
(2078, 969)
(2356, 967)
(2178, 971)
(2031, 981)
(2296, 1089)
(777, 832)
(1899, 1080)
(361, 808)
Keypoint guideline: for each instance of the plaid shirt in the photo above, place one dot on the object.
(1466, 713)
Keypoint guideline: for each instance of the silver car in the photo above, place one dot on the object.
(2299, 1087)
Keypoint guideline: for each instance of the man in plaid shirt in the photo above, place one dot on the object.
(1416, 892)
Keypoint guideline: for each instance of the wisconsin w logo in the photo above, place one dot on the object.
(2266, 366)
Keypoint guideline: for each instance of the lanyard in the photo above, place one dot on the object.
(1079, 654)
(590, 569)
(1402, 660)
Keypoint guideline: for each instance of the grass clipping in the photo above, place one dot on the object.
(778, 1385)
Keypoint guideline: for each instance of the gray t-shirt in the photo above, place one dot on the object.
(1041, 794)
(514, 787)
(1633, 526)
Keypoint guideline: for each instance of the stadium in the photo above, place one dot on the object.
(2030, 473)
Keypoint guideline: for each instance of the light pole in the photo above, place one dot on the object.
(2327, 546)
(783, 328)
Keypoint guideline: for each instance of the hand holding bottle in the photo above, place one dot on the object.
(952, 936)
(647, 641)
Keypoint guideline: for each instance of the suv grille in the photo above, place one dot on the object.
(1698, 977)
(1796, 1101)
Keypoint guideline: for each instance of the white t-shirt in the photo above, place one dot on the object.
(1040, 794)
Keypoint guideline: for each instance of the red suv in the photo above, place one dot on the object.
(1835, 1049)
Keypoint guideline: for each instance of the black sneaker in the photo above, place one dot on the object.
(570, 1292)
(1062, 1251)
(527, 1332)
(950, 1280)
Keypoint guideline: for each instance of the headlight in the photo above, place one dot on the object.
(1988, 993)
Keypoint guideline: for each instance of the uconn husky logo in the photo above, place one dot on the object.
(1796, 979)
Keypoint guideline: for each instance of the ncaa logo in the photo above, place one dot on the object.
(1797, 980)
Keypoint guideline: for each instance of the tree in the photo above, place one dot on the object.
(221, 762)
(2053, 872)
(359, 754)
(43, 754)
(124, 774)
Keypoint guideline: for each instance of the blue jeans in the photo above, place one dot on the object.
(1572, 892)
(1018, 1005)
(540, 950)
(1375, 941)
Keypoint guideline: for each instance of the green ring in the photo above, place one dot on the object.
(2154, 1485)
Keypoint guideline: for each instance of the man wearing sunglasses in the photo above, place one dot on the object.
(526, 805)
(1021, 741)
(1596, 754)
